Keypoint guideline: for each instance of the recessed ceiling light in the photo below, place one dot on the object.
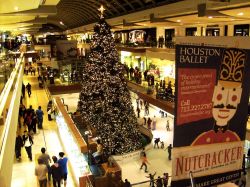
(16, 8)
(240, 14)
(61, 23)
(178, 20)
(210, 17)
(232, 19)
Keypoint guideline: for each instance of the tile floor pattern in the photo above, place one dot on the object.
(23, 171)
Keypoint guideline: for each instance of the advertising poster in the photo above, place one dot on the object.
(212, 86)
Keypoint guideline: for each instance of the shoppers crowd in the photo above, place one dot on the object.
(30, 120)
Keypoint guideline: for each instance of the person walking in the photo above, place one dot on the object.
(157, 87)
(145, 121)
(165, 179)
(49, 110)
(41, 172)
(141, 103)
(28, 142)
(169, 148)
(149, 123)
(154, 123)
(156, 142)
(18, 146)
(63, 163)
(33, 123)
(138, 112)
(167, 126)
(39, 114)
(46, 160)
(57, 172)
(162, 145)
(146, 109)
(28, 87)
(137, 103)
(248, 154)
(142, 152)
(98, 154)
(151, 177)
(144, 162)
(159, 182)
(126, 183)
(23, 90)
(28, 120)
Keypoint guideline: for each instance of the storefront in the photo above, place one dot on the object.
(70, 70)
(137, 37)
(134, 60)
(162, 69)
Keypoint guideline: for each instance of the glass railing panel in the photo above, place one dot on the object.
(6, 97)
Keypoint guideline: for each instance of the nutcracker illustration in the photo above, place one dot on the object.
(226, 97)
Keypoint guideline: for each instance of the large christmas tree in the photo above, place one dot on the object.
(104, 101)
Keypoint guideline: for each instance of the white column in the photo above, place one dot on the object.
(160, 31)
(204, 30)
(230, 30)
(180, 31)
(222, 30)
(198, 32)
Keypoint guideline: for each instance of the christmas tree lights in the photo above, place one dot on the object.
(104, 101)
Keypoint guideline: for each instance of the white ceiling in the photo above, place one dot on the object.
(11, 22)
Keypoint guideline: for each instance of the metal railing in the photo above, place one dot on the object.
(148, 181)
(6, 95)
(191, 179)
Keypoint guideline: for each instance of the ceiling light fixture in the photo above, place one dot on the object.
(61, 23)
(178, 20)
(240, 14)
(16, 8)
(210, 17)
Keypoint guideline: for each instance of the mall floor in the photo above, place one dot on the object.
(23, 171)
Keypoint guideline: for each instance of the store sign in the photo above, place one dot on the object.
(211, 112)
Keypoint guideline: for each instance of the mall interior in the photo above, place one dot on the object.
(49, 43)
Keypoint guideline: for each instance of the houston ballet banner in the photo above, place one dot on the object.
(210, 114)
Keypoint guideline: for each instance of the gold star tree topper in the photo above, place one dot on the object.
(102, 9)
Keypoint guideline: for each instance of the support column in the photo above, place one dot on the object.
(160, 31)
(230, 30)
(180, 31)
(198, 32)
(222, 30)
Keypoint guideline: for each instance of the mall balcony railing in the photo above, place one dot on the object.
(169, 44)
(148, 182)
(9, 107)
(6, 67)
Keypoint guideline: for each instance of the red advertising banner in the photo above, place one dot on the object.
(195, 91)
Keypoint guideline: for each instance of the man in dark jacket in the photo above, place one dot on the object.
(28, 87)
(57, 173)
(18, 146)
